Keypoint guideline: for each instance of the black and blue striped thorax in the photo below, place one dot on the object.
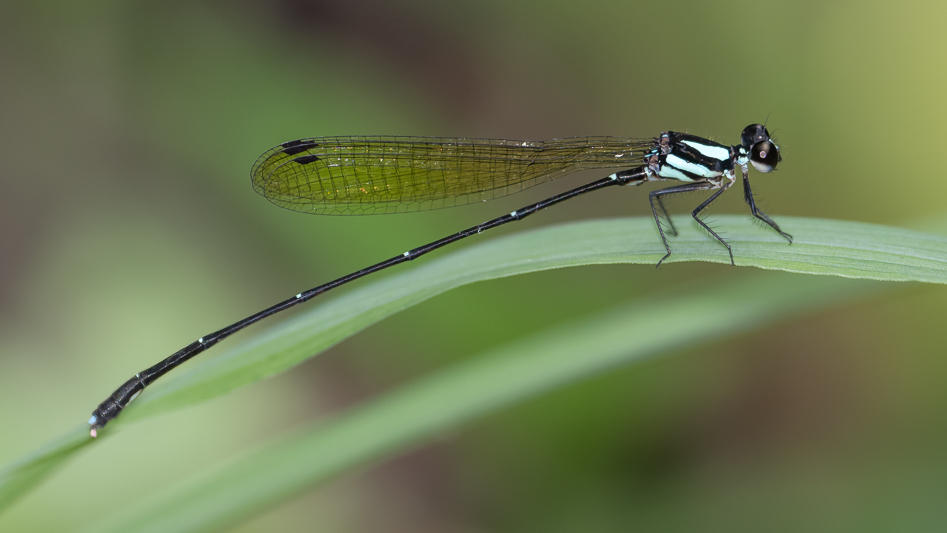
(685, 157)
(689, 158)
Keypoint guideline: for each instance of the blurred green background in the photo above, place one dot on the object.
(128, 228)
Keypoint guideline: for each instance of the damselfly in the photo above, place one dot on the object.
(363, 175)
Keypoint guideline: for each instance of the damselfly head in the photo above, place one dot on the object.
(762, 151)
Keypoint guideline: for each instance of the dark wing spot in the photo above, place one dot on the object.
(306, 159)
(295, 147)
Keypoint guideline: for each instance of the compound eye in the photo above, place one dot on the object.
(764, 156)
(753, 134)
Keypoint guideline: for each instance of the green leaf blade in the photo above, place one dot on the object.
(838, 248)
(846, 249)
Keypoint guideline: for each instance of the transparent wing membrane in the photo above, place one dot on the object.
(366, 175)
